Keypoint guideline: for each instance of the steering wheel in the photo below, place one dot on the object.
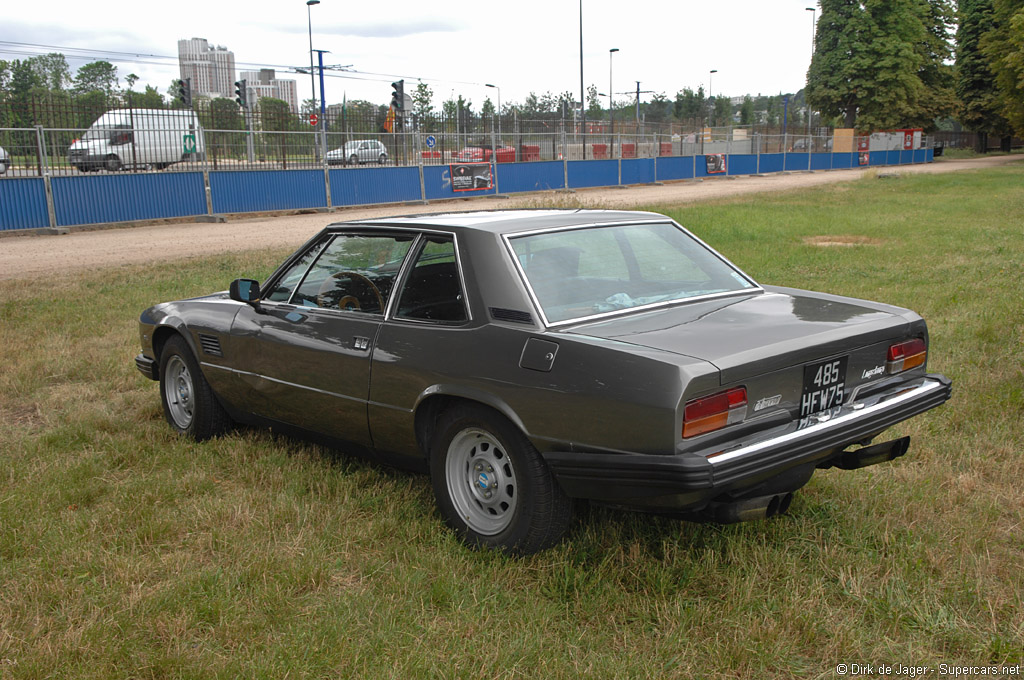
(325, 296)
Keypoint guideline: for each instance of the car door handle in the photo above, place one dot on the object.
(360, 343)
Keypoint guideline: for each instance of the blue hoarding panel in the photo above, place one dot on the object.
(23, 203)
(929, 156)
(742, 164)
(637, 170)
(920, 155)
(540, 176)
(879, 157)
(127, 197)
(255, 190)
(906, 157)
(593, 174)
(798, 161)
(678, 167)
(892, 157)
(772, 162)
(821, 161)
(437, 183)
(365, 186)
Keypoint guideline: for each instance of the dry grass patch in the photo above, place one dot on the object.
(831, 240)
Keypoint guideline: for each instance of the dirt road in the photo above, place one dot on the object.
(36, 256)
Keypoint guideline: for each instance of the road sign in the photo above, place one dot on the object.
(188, 143)
(431, 141)
(313, 119)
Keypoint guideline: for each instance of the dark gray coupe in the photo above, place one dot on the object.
(531, 358)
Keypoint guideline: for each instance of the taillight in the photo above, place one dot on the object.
(708, 414)
(906, 355)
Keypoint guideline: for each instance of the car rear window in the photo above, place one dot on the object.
(580, 273)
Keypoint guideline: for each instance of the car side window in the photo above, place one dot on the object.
(355, 272)
(282, 290)
(433, 288)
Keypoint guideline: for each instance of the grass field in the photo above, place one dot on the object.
(126, 552)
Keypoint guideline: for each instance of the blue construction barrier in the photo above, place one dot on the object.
(366, 186)
(519, 177)
(674, 167)
(584, 174)
(773, 162)
(637, 170)
(257, 190)
(23, 204)
(123, 197)
(126, 197)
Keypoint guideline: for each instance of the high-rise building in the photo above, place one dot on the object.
(211, 68)
(265, 83)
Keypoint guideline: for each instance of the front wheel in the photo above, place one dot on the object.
(492, 486)
(188, 400)
(353, 160)
(382, 159)
(112, 163)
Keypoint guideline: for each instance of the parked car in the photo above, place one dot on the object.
(529, 358)
(483, 154)
(358, 152)
(153, 138)
(5, 161)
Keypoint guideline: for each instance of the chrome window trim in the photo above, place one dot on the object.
(509, 236)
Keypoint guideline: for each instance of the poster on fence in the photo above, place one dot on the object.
(865, 157)
(715, 163)
(470, 176)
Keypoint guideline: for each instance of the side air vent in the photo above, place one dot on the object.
(512, 315)
(210, 345)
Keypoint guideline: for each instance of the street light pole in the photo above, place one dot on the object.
(711, 113)
(611, 104)
(312, 77)
(583, 97)
(499, 107)
(813, 11)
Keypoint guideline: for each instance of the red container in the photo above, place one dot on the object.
(600, 151)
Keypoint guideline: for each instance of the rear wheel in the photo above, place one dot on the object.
(382, 159)
(188, 400)
(112, 163)
(3, 167)
(353, 160)
(492, 486)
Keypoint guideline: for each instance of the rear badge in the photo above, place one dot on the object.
(767, 402)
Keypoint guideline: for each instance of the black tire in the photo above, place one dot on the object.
(112, 163)
(492, 486)
(353, 160)
(188, 400)
(382, 159)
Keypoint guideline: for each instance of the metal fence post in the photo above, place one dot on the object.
(44, 168)
(206, 190)
(327, 182)
(565, 162)
(51, 208)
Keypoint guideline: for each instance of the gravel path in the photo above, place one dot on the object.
(38, 256)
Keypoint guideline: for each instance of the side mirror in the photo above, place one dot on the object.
(245, 290)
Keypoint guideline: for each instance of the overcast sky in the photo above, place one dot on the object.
(529, 45)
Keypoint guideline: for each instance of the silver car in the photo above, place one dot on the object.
(5, 161)
(358, 152)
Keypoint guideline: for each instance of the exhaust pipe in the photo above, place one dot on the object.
(747, 509)
(871, 455)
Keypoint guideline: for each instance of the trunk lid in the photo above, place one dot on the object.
(761, 333)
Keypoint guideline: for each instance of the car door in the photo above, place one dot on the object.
(311, 339)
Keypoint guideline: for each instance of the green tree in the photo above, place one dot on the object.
(689, 105)
(980, 101)
(422, 105)
(96, 76)
(594, 110)
(1004, 47)
(880, 63)
(747, 111)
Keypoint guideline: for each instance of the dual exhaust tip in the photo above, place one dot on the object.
(748, 509)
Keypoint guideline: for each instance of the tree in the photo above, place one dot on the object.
(1004, 47)
(422, 106)
(487, 109)
(980, 101)
(594, 110)
(689, 105)
(747, 111)
(880, 63)
(96, 76)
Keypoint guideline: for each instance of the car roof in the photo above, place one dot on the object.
(508, 221)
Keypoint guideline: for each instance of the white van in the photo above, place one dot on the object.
(139, 138)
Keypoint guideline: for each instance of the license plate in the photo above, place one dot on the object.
(823, 386)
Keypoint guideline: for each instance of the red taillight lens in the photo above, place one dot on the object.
(906, 355)
(714, 412)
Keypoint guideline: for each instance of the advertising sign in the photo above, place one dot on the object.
(864, 157)
(470, 176)
(715, 163)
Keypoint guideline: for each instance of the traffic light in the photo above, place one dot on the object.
(184, 89)
(241, 95)
(398, 96)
